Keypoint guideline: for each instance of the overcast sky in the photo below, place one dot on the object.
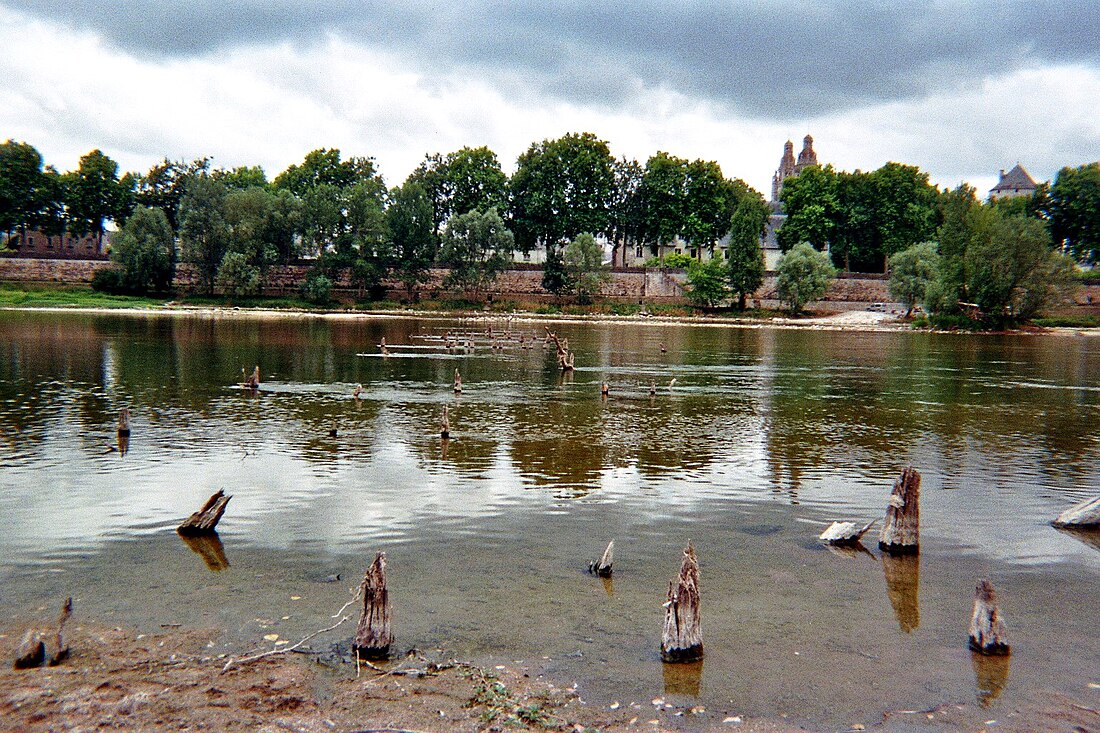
(961, 89)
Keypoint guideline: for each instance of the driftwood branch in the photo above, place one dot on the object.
(206, 519)
(234, 662)
(901, 530)
(1080, 516)
(845, 533)
(682, 639)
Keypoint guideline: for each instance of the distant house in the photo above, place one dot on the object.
(62, 246)
(1014, 184)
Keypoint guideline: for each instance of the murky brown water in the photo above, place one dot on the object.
(766, 436)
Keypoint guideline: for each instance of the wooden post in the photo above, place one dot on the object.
(253, 381)
(652, 389)
(60, 650)
(602, 567)
(682, 639)
(206, 519)
(1080, 516)
(604, 390)
(987, 629)
(901, 531)
(124, 422)
(444, 425)
(458, 382)
(373, 637)
(357, 393)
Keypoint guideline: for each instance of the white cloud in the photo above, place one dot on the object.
(67, 92)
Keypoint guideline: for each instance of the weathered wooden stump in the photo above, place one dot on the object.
(34, 651)
(31, 652)
(652, 389)
(357, 393)
(604, 389)
(385, 350)
(903, 588)
(124, 422)
(682, 638)
(373, 636)
(901, 531)
(458, 382)
(1080, 516)
(206, 519)
(845, 533)
(253, 380)
(444, 425)
(987, 629)
(602, 567)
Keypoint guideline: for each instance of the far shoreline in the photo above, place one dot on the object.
(846, 321)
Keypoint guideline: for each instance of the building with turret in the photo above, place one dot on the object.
(1014, 184)
(788, 166)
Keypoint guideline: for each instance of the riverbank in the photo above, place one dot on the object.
(119, 679)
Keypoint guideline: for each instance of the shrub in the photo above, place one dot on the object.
(317, 289)
(804, 275)
(109, 280)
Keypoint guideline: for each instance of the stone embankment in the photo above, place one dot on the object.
(631, 285)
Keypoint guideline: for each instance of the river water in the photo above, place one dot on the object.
(765, 437)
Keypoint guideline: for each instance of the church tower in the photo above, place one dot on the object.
(807, 157)
(786, 168)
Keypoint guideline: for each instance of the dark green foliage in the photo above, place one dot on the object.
(476, 247)
(626, 227)
(555, 279)
(94, 194)
(585, 271)
(237, 276)
(145, 250)
(707, 283)
(317, 288)
(911, 272)
(21, 185)
(204, 231)
(164, 186)
(465, 180)
(804, 274)
(1074, 210)
(109, 280)
(561, 188)
(746, 258)
(412, 234)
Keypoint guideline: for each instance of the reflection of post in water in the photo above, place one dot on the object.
(123, 443)
(209, 548)
(443, 443)
(608, 585)
(990, 676)
(683, 679)
(903, 586)
(1090, 537)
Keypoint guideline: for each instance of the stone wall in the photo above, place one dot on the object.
(522, 283)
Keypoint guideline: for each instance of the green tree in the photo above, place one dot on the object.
(476, 247)
(96, 193)
(204, 232)
(709, 203)
(746, 258)
(555, 278)
(707, 283)
(812, 207)
(584, 267)
(237, 276)
(1074, 210)
(462, 181)
(325, 167)
(52, 217)
(412, 234)
(1012, 269)
(145, 250)
(21, 185)
(663, 193)
(562, 188)
(911, 272)
(949, 289)
(804, 275)
(626, 223)
(165, 184)
(242, 177)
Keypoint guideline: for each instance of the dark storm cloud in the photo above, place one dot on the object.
(768, 59)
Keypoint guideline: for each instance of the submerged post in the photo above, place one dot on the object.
(901, 530)
(206, 519)
(987, 629)
(124, 422)
(444, 425)
(458, 382)
(602, 567)
(682, 639)
(373, 636)
(253, 380)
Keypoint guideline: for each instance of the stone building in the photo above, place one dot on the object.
(1014, 184)
(62, 246)
(788, 166)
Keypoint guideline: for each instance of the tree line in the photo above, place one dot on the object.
(459, 210)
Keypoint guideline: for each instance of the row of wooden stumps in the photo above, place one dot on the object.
(900, 535)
